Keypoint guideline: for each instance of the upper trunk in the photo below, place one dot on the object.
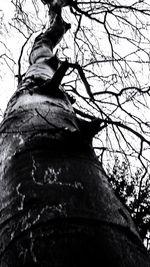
(57, 207)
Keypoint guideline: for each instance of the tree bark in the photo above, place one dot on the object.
(57, 207)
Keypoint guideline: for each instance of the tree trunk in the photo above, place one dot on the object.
(57, 207)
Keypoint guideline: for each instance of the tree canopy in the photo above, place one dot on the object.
(134, 192)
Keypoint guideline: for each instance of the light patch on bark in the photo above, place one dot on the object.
(78, 185)
(50, 210)
(51, 175)
(22, 197)
(34, 169)
(37, 219)
(40, 54)
(54, 103)
(32, 248)
(29, 99)
(25, 224)
(40, 70)
(59, 208)
(21, 140)
(12, 235)
(23, 254)
(6, 156)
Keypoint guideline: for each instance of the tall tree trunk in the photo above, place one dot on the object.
(57, 208)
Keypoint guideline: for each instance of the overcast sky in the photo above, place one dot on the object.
(7, 83)
(11, 42)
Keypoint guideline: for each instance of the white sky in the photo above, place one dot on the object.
(6, 76)
(11, 42)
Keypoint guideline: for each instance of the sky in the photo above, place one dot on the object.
(11, 42)
(7, 82)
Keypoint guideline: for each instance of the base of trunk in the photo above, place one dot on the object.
(75, 243)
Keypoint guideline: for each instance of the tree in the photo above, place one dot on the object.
(134, 192)
(57, 208)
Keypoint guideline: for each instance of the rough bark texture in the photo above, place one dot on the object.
(57, 208)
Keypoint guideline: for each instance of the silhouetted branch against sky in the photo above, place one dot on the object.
(108, 48)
